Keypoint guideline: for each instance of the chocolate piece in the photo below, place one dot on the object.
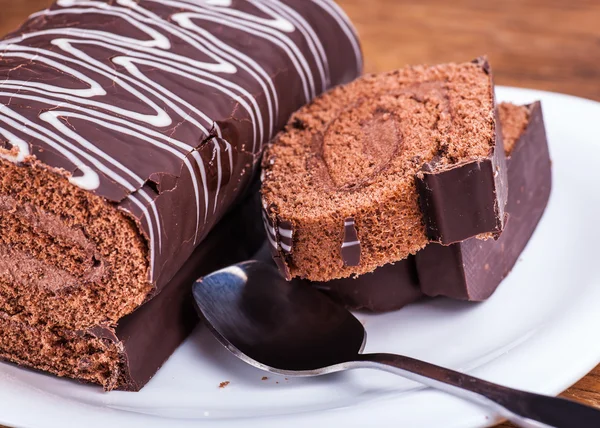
(355, 151)
(388, 288)
(472, 270)
(130, 129)
(464, 200)
(351, 244)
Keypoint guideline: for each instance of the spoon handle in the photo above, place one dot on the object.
(522, 408)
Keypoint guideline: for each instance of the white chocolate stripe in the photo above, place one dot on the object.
(158, 40)
(350, 244)
(342, 19)
(271, 241)
(285, 247)
(286, 233)
(298, 60)
(219, 171)
(94, 90)
(314, 44)
(270, 232)
(88, 181)
(270, 228)
(18, 143)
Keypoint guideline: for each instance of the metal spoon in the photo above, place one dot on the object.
(295, 330)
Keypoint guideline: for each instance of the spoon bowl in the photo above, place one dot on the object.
(252, 318)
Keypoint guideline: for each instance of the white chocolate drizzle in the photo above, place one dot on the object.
(67, 53)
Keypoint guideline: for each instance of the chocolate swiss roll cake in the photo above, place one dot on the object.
(472, 269)
(373, 171)
(128, 129)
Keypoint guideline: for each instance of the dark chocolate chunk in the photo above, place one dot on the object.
(464, 200)
(351, 244)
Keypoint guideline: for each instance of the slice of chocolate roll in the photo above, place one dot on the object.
(473, 269)
(373, 171)
(128, 129)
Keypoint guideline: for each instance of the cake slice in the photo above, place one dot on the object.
(472, 269)
(373, 171)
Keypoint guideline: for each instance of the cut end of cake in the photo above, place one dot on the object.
(355, 152)
(69, 261)
(68, 257)
(62, 353)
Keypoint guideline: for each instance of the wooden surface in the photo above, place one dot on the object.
(546, 44)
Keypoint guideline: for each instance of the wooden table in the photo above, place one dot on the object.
(545, 44)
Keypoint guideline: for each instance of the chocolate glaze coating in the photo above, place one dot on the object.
(162, 107)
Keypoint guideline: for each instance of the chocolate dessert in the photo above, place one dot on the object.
(127, 131)
(472, 269)
(373, 171)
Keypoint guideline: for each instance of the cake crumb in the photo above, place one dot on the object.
(264, 378)
(224, 384)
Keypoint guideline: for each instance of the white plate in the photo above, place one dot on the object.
(538, 333)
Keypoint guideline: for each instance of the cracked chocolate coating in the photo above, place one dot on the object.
(162, 107)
